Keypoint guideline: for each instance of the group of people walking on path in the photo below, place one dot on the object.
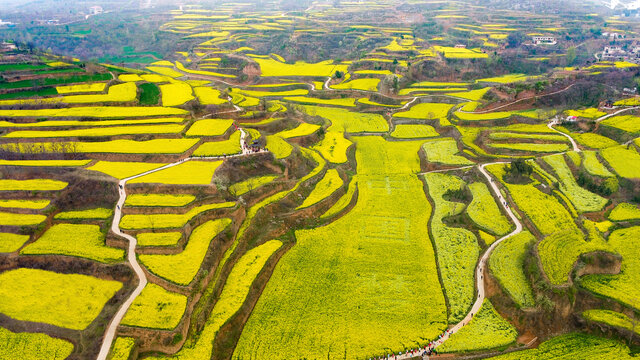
(427, 350)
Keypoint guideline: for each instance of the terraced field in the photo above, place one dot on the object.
(264, 183)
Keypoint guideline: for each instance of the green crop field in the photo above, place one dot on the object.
(623, 286)
(582, 199)
(73, 301)
(181, 268)
(444, 151)
(593, 165)
(484, 211)
(612, 318)
(457, 249)
(85, 241)
(507, 265)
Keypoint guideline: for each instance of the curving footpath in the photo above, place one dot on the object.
(477, 305)
(131, 257)
(573, 142)
(131, 251)
(616, 113)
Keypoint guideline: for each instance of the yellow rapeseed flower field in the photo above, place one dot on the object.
(72, 301)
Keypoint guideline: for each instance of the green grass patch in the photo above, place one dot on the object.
(149, 94)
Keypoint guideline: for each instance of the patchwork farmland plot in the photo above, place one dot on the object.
(73, 301)
(84, 241)
(279, 307)
(32, 346)
(457, 248)
(354, 219)
(182, 267)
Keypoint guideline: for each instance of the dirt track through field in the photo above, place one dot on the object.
(480, 267)
(110, 333)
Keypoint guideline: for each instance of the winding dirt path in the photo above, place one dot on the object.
(616, 113)
(131, 250)
(519, 100)
(573, 142)
(131, 258)
(482, 264)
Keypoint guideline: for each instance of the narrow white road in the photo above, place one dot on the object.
(616, 113)
(573, 142)
(326, 84)
(131, 258)
(519, 100)
(407, 104)
(482, 264)
(131, 251)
